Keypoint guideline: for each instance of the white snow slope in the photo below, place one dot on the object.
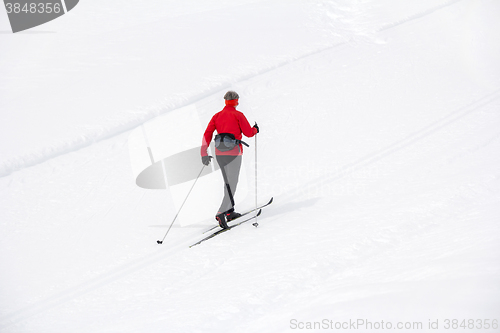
(380, 133)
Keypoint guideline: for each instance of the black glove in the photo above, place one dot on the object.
(257, 127)
(206, 160)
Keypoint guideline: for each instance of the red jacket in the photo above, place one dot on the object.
(229, 120)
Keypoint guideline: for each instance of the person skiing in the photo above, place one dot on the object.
(230, 125)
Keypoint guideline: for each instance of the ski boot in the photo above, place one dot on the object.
(232, 215)
(221, 218)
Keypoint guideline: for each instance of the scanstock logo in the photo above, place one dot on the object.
(26, 14)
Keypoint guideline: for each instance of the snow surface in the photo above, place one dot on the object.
(380, 133)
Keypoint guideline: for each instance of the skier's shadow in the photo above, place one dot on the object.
(279, 209)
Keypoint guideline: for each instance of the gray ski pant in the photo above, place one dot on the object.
(230, 167)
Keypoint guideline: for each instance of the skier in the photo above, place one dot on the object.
(230, 125)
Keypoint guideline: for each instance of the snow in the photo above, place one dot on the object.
(379, 142)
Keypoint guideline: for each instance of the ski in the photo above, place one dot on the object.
(243, 214)
(218, 232)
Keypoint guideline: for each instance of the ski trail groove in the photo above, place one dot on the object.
(16, 164)
(417, 16)
(83, 288)
(402, 144)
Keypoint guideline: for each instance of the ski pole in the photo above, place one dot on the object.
(255, 224)
(171, 224)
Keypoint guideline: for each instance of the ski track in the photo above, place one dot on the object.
(10, 166)
(403, 144)
(418, 15)
(92, 284)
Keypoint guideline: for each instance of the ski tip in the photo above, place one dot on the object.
(258, 213)
(270, 201)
